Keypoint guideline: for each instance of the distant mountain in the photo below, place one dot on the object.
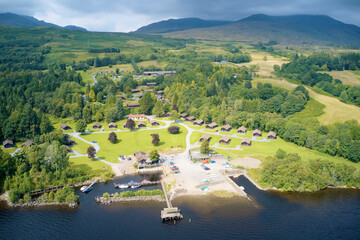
(172, 25)
(15, 20)
(296, 29)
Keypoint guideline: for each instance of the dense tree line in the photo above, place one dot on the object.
(287, 172)
(23, 54)
(104, 50)
(305, 70)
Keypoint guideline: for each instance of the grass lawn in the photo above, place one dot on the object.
(261, 150)
(86, 77)
(313, 108)
(347, 77)
(130, 142)
(91, 167)
(334, 111)
(80, 146)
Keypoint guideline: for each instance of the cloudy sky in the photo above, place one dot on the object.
(128, 15)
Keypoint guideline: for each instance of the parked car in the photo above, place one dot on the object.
(172, 164)
(94, 142)
(205, 161)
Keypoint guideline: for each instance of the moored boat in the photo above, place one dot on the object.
(123, 186)
(136, 186)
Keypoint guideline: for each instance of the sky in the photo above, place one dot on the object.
(129, 15)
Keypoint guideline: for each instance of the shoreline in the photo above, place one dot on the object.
(107, 201)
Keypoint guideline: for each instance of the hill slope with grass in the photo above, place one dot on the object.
(295, 29)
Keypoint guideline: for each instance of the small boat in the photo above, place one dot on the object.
(132, 182)
(136, 186)
(83, 188)
(145, 181)
(123, 186)
(87, 189)
(204, 188)
(242, 188)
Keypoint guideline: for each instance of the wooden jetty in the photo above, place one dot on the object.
(170, 213)
(147, 183)
(47, 190)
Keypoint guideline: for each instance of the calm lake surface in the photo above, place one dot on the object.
(329, 214)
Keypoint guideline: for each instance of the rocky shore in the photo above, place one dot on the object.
(102, 200)
(40, 204)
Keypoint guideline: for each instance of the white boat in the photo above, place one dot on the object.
(136, 186)
(83, 188)
(242, 188)
(123, 186)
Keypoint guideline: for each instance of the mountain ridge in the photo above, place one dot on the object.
(16, 20)
(292, 29)
(171, 25)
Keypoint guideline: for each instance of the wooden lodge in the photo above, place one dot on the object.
(154, 123)
(123, 97)
(205, 137)
(137, 116)
(147, 90)
(159, 92)
(257, 133)
(68, 149)
(245, 142)
(212, 125)
(112, 125)
(156, 73)
(241, 130)
(28, 143)
(96, 126)
(69, 141)
(226, 128)
(183, 115)
(225, 140)
(135, 90)
(168, 114)
(133, 105)
(190, 119)
(151, 84)
(140, 124)
(271, 135)
(199, 122)
(8, 144)
(65, 127)
(140, 157)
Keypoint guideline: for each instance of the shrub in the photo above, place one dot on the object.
(106, 195)
(174, 129)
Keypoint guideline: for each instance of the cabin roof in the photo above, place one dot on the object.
(225, 139)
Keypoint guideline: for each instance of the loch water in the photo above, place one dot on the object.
(327, 214)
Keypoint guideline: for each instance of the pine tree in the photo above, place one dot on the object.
(204, 148)
(92, 95)
(158, 109)
(146, 103)
(120, 109)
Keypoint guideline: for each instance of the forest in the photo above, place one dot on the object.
(305, 70)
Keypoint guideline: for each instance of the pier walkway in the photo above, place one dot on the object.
(170, 213)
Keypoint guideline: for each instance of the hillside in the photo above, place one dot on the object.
(15, 20)
(296, 29)
(172, 25)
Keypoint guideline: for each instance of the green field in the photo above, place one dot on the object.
(130, 142)
(90, 166)
(80, 146)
